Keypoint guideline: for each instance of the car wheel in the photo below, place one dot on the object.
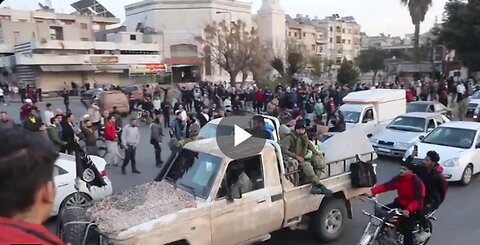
(77, 199)
(467, 175)
(329, 220)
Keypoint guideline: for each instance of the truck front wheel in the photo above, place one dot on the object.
(329, 220)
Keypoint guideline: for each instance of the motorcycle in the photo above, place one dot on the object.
(382, 227)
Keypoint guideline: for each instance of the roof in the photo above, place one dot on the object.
(375, 95)
(462, 124)
(420, 114)
(210, 146)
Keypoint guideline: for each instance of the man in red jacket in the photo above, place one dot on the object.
(411, 195)
(27, 190)
(110, 133)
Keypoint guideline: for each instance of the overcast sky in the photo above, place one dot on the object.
(375, 16)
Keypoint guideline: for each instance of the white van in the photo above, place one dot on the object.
(373, 109)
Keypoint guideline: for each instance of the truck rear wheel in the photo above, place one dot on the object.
(329, 220)
(73, 233)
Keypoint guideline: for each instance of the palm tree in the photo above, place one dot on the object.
(418, 9)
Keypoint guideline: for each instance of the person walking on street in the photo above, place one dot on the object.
(54, 133)
(130, 139)
(156, 136)
(6, 123)
(25, 109)
(94, 116)
(88, 131)
(462, 101)
(48, 114)
(110, 134)
(166, 108)
(68, 134)
(66, 100)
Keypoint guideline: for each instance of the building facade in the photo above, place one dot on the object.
(48, 50)
(304, 35)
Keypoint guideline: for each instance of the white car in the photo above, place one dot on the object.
(458, 144)
(403, 132)
(474, 104)
(64, 175)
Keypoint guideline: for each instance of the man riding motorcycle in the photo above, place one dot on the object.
(435, 185)
(411, 194)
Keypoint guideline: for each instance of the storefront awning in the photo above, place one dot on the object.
(94, 68)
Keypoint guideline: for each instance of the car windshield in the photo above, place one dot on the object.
(416, 107)
(412, 124)
(351, 116)
(194, 172)
(210, 131)
(453, 137)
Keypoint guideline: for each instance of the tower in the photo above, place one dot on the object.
(271, 27)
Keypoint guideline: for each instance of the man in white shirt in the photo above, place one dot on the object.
(130, 140)
(48, 114)
(462, 101)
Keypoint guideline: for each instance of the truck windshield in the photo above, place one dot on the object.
(194, 172)
(210, 131)
(351, 116)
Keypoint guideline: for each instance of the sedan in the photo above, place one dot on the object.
(404, 131)
(458, 144)
(65, 174)
(429, 106)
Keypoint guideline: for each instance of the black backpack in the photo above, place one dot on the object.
(362, 174)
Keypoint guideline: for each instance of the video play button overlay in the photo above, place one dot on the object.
(235, 141)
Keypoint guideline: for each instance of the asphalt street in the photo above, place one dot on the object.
(458, 218)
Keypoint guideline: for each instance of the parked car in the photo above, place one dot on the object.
(134, 92)
(429, 106)
(458, 144)
(64, 175)
(404, 131)
(474, 105)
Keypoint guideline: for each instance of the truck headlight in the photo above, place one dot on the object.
(451, 163)
(403, 145)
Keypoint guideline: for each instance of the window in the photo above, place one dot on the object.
(431, 125)
(331, 40)
(331, 28)
(56, 33)
(368, 116)
(439, 121)
(343, 41)
(289, 33)
(348, 41)
(243, 176)
(16, 36)
(84, 26)
(339, 39)
(194, 172)
(339, 29)
(133, 37)
(343, 30)
(84, 39)
(304, 34)
(39, 21)
(313, 47)
(295, 34)
(22, 20)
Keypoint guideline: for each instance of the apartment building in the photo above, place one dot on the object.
(48, 50)
(380, 41)
(303, 34)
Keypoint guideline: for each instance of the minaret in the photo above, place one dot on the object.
(271, 27)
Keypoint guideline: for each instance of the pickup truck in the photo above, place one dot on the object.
(220, 213)
(372, 110)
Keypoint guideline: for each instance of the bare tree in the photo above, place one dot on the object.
(232, 46)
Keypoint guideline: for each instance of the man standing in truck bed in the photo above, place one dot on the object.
(294, 147)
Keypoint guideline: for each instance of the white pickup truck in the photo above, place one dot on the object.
(372, 110)
(220, 214)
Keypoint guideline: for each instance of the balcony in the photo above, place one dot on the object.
(86, 45)
(81, 59)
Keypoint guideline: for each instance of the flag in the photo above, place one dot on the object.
(86, 169)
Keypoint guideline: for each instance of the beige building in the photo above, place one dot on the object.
(48, 50)
(304, 35)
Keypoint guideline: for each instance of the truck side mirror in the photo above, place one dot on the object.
(233, 194)
(421, 137)
(477, 146)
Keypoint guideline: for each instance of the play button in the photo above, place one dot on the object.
(234, 140)
(239, 135)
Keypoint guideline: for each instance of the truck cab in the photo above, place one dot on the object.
(372, 110)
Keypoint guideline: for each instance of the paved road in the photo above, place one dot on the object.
(458, 218)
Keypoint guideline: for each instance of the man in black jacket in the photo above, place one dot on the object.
(435, 186)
